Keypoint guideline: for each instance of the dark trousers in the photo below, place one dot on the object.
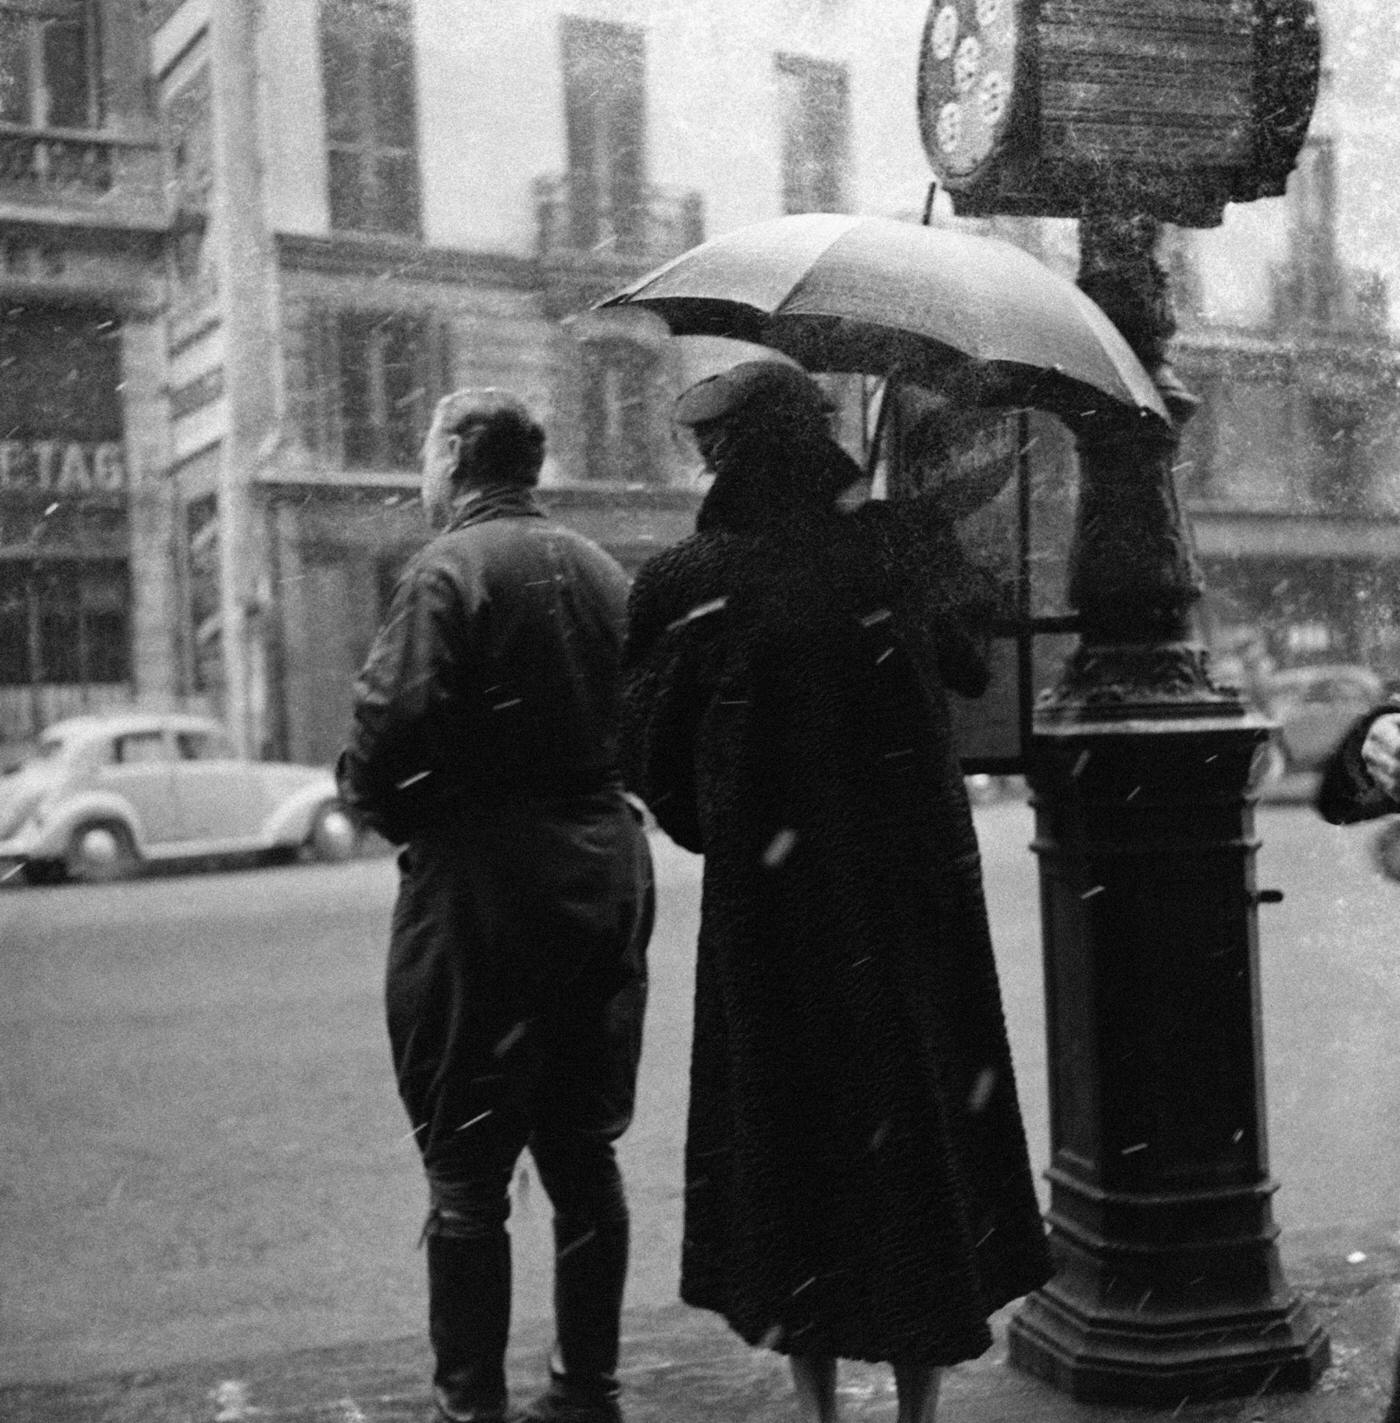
(516, 990)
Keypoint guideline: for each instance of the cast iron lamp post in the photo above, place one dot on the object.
(1168, 1283)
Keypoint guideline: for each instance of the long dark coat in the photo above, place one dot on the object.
(857, 1183)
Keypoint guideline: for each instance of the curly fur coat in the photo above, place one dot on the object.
(857, 1183)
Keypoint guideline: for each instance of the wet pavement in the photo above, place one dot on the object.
(680, 1364)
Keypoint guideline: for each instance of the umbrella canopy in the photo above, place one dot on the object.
(922, 304)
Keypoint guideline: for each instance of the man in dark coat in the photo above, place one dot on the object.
(485, 741)
(857, 1184)
(1361, 781)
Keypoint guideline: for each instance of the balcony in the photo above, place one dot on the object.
(587, 245)
(81, 177)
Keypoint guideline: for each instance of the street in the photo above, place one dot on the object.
(203, 1156)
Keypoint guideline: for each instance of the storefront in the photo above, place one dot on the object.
(65, 576)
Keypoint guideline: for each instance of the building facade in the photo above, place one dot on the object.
(245, 244)
(1290, 470)
(375, 201)
(83, 504)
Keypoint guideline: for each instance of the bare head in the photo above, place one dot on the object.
(479, 437)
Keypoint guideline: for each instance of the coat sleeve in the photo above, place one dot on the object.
(661, 715)
(1346, 793)
(390, 773)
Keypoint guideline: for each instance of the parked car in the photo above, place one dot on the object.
(1313, 707)
(100, 796)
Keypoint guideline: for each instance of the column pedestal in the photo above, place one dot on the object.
(1168, 1285)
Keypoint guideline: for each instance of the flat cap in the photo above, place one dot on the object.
(770, 389)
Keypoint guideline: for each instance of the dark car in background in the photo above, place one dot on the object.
(1313, 707)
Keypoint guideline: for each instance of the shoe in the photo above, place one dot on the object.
(550, 1408)
(447, 1412)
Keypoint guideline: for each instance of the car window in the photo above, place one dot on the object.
(138, 748)
(204, 746)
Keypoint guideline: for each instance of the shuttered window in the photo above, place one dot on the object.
(49, 64)
(815, 113)
(617, 412)
(367, 69)
(371, 381)
(605, 122)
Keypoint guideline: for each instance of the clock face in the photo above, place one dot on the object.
(966, 76)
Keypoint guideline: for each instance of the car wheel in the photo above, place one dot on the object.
(100, 851)
(1385, 850)
(333, 837)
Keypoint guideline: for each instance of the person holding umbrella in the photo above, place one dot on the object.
(857, 1182)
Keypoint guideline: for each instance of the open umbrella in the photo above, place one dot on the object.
(921, 304)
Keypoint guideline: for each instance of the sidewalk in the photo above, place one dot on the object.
(682, 1366)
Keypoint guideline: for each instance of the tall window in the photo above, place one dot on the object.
(371, 378)
(371, 115)
(50, 70)
(383, 389)
(605, 117)
(815, 109)
(616, 412)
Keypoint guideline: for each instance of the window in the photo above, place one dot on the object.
(140, 748)
(605, 118)
(369, 383)
(616, 412)
(815, 113)
(383, 396)
(64, 622)
(204, 746)
(49, 64)
(371, 115)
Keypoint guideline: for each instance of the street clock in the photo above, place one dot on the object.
(968, 78)
(1172, 107)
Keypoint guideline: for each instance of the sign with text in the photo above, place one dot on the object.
(63, 466)
(63, 470)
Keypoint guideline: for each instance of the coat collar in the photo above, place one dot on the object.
(496, 501)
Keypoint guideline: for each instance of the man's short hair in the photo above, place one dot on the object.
(497, 430)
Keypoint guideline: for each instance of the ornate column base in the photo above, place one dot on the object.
(1169, 1285)
(1096, 1353)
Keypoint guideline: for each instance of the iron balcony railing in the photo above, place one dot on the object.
(116, 175)
(644, 226)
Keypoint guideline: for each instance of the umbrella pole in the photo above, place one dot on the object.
(872, 455)
(1168, 1283)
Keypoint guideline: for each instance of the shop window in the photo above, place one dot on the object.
(64, 623)
(617, 412)
(814, 109)
(605, 122)
(367, 67)
(50, 71)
